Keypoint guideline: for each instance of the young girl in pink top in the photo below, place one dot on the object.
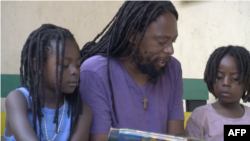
(227, 76)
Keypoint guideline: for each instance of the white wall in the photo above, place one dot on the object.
(203, 26)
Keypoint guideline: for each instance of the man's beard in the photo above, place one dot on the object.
(150, 70)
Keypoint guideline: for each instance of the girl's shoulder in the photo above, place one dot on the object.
(202, 112)
(247, 110)
(246, 107)
(18, 97)
(20, 93)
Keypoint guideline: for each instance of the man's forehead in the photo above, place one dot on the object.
(164, 25)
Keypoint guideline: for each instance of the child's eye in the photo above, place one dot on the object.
(65, 66)
(161, 43)
(218, 77)
(78, 64)
(235, 79)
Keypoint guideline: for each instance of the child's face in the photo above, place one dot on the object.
(227, 87)
(71, 69)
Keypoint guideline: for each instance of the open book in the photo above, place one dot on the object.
(136, 135)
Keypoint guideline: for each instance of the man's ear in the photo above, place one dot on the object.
(134, 36)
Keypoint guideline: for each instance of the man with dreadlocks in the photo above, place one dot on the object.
(129, 78)
(227, 76)
(48, 106)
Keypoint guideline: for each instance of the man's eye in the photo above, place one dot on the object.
(162, 41)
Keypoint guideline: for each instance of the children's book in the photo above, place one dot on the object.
(137, 135)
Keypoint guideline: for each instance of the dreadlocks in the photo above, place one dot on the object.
(36, 48)
(242, 58)
(132, 17)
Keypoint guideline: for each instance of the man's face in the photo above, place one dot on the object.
(156, 46)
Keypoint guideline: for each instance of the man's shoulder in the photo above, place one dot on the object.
(174, 62)
(173, 67)
(94, 63)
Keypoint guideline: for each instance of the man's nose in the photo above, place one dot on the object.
(169, 49)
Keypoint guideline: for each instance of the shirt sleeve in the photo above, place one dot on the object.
(93, 92)
(194, 129)
(176, 110)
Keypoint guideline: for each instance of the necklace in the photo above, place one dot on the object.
(58, 126)
(145, 100)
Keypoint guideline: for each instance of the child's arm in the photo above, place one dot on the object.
(194, 129)
(83, 124)
(17, 122)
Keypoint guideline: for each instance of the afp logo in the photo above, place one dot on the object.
(237, 132)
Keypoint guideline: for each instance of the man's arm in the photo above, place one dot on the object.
(93, 92)
(98, 137)
(175, 127)
(175, 123)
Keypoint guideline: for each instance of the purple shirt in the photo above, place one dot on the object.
(164, 99)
